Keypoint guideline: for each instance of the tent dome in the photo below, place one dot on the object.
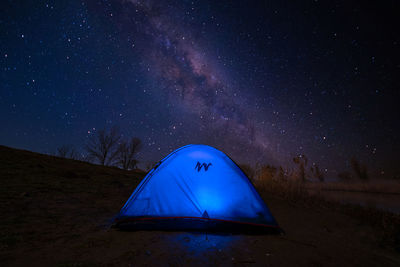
(196, 187)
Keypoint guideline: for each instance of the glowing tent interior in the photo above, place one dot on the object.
(196, 187)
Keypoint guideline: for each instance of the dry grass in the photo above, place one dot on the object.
(290, 187)
(42, 192)
(382, 187)
(279, 182)
(287, 189)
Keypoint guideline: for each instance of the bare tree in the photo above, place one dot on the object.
(102, 146)
(150, 165)
(317, 173)
(359, 169)
(282, 175)
(126, 153)
(302, 161)
(62, 151)
(67, 151)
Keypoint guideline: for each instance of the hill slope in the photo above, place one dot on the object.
(53, 212)
(44, 199)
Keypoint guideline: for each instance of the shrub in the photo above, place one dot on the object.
(359, 169)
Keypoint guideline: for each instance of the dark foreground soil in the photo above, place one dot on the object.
(55, 212)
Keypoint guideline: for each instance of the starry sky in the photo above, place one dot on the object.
(263, 81)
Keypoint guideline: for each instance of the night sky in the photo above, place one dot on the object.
(262, 81)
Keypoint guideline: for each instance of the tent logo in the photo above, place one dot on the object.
(199, 166)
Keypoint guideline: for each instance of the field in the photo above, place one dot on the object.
(373, 187)
(57, 212)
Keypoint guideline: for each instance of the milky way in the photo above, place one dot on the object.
(263, 81)
(195, 84)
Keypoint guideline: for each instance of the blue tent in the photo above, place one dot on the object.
(196, 187)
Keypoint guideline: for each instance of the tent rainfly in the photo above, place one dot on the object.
(196, 187)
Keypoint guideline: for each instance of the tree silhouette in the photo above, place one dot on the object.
(126, 153)
(317, 173)
(359, 169)
(302, 161)
(102, 146)
(281, 174)
(67, 151)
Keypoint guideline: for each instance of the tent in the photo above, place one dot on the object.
(196, 187)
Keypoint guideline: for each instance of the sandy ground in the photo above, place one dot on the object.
(55, 212)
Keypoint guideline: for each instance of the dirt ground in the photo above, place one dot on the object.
(55, 212)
